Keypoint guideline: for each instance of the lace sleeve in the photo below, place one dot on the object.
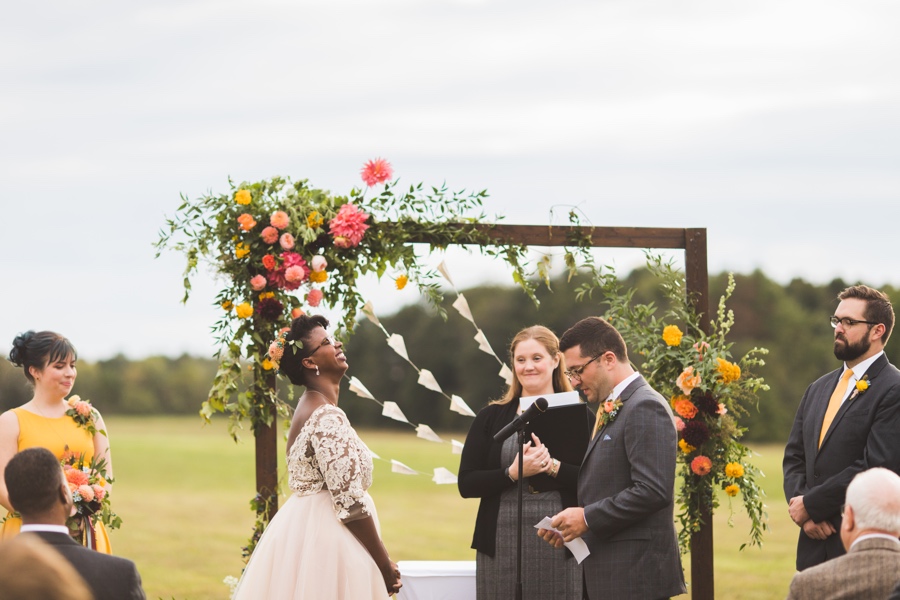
(343, 464)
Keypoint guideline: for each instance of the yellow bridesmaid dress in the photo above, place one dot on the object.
(55, 435)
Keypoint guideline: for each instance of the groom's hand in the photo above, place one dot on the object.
(570, 523)
(798, 511)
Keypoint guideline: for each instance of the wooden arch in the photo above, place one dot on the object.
(691, 240)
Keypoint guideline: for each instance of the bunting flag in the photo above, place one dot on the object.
(392, 411)
(426, 379)
(443, 269)
(399, 467)
(458, 405)
(369, 311)
(359, 389)
(396, 342)
(443, 476)
(426, 433)
(506, 374)
(483, 344)
(462, 307)
(457, 446)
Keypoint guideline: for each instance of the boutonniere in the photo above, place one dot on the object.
(861, 386)
(609, 409)
(83, 414)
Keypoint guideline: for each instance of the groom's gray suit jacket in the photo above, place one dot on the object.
(626, 487)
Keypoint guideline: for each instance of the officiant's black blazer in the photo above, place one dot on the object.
(865, 433)
(109, 577)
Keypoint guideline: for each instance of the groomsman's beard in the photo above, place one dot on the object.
(844, 350)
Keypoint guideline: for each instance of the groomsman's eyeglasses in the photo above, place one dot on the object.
(847, 322)
(575, 372)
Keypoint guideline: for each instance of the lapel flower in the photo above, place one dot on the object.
(607, 413)
(861, 386)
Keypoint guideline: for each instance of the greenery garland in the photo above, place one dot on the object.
(706, 389)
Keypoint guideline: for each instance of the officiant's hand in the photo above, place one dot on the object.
(536, 460)
(570, 523)
(818, 531)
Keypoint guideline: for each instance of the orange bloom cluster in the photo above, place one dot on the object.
(728, 371)
(701, 466)
(684, 407)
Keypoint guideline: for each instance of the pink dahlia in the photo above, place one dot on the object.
(279, 219)
(314, 297)
(701, 466)
(86, 492)
(76, 477)
(258, 283)
(99, 492)
(286, 241)
(279, 277)
(376, 171)
(348, 226)
(295, 274)
(269, 235)
(679, 424)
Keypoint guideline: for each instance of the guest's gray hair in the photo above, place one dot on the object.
(874, 496)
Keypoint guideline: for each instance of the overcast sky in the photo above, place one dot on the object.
(774, 124)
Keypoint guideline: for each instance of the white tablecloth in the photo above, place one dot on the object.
(437, 580)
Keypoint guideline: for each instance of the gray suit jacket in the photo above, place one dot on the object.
(626, 487)
(869, 570)
(109, 577)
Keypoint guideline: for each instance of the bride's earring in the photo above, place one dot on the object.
(317, 370)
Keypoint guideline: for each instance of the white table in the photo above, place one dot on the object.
(437, 580)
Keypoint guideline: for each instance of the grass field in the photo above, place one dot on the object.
(183, 490)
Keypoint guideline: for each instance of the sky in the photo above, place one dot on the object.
(773, 124)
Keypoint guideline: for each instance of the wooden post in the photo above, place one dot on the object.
(267, 458)
(697, 283)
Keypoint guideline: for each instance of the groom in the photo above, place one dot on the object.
(627, 479)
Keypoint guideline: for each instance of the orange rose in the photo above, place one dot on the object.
(246, 221)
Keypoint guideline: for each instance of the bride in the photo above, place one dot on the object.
(324, 542)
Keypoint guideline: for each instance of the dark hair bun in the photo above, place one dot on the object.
(19, 353)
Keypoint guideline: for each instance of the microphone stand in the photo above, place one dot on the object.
(520, 485)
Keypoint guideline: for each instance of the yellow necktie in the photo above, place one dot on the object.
(835, 403)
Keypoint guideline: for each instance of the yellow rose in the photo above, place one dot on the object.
(672, 335)
(242, 197)
(244, 310)
(733, 489)
(862, 385)
(227, 305)
(318, 276)
(401, 282)
(314, 219)
(241, 249)
(267, 364)
(685, 447)
(734, 470)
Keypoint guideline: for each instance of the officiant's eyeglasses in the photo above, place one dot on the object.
(847, 322)
(575, 372)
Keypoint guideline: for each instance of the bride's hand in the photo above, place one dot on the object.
(391, 577)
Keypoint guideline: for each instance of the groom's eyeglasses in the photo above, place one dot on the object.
(575, 372)
(847, 322)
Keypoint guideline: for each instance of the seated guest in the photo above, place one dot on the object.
(869, 532)
(39, 492)
(29, 568)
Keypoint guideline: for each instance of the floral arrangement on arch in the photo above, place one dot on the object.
(707, 389)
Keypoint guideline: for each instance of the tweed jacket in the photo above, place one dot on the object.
(869, 570)
(864, 434)
(626, 486)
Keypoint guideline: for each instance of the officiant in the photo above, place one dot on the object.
(556, 442)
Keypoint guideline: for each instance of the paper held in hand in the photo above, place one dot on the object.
(577, 546)
(553, 400)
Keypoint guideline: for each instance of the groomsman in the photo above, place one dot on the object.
(848, 421)
(627, 479)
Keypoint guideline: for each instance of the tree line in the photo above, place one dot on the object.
(790, 320)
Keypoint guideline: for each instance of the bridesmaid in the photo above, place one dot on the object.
(48, 360)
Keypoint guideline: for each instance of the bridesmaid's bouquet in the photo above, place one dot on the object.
(89, 484)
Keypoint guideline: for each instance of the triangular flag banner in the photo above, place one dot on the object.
(426, 433)
(396, 342)
(399, 467)
(483, 344)
(462, 307)
(446, 273)
(369, 311)
(443, 476)
(427, 379)
(359, 389)
(374, 455)
(392, 411)
(458, 405)
(506, 374)
(457, 446)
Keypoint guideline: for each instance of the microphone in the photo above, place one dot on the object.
(519, 423)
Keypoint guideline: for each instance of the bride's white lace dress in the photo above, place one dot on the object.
(306, 551)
